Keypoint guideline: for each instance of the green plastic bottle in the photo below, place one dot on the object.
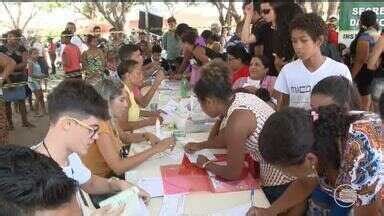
(184, 87)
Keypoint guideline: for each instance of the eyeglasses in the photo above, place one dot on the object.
(265, 11)
(92, 130)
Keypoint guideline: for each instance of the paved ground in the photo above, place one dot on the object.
(30, 136)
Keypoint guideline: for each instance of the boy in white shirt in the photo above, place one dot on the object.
(296, 79)
(75, 110)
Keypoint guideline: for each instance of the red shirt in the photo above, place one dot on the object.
(333, 37)
(243, 72)
(72, 54)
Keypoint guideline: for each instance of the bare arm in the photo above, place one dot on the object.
(84, 60)
(21, 66)
(64, 59)
(143, 101)
(362, 53)
(8, 65)
(128, 137)
(297, 192)
(282, 100)
(120, 165)
(184, 63)
(246, 36)
(99, 185)
(199, 53)
(378, 49)
(126, 125)
(215, 140)
(240, 125)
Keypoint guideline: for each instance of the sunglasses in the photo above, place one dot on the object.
(265, 11)
(92, 129)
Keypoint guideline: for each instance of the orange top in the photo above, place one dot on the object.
(94, 160)
(72, 54)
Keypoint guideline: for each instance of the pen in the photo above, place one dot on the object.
(253, 197)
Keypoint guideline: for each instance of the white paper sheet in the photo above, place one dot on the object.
(170, 107)
(205, 152)
(173, 205)
(176, 154)
(129, 198)
(132, 176)
(154, 186)
(237, 210)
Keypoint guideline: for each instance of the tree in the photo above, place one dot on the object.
(15, 13)
(332, 8)
(227, 11)
(114, 12)
(319, 7)
(87, 9)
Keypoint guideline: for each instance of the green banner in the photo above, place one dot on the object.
(350, 12)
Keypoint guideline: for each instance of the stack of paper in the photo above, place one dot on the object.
(205, 152)
(237, 210)
(128, 198)
(154, 186)
(173, 205)
(170, 107)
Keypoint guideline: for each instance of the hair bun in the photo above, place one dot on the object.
(216, 72)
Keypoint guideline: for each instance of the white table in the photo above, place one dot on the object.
(196, 203)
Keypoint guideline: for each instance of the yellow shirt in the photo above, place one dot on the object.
(134, 109)
(94, 160)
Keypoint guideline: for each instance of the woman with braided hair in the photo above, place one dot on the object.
(331, 91)
(336, 153)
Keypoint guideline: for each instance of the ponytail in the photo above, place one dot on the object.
(354, 42)
(331, 133)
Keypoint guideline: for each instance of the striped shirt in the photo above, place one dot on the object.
(269, 175)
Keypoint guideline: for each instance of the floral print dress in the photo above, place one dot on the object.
(361, 169)
(94, 66)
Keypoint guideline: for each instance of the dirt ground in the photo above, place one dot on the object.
(28, 136)
(31, 136)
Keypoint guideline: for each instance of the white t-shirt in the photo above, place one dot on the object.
(76, 169)
(297, 81)
(39, 47)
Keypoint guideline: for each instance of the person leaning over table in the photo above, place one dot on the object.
(132, 52)
(242, 117)
(105, 158)
(132, 77)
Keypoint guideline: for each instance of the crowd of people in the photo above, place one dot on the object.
(284, 92)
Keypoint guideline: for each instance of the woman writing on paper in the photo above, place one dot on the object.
(131, 76)
(107, 158)
(242, 117)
